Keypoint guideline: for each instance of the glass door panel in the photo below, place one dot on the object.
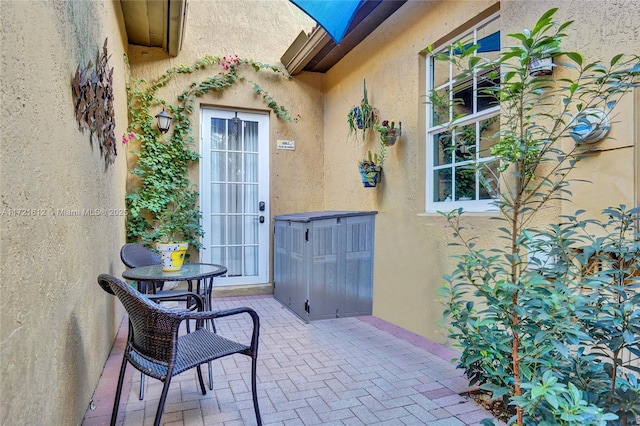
(234, 169)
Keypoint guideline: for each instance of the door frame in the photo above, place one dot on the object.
(264, 235)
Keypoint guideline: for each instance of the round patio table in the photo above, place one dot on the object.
(198, 272)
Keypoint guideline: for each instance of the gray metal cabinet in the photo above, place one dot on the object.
(323, 263)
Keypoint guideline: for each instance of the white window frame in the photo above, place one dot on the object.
(476, 205)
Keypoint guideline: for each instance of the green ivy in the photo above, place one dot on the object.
(163, 162)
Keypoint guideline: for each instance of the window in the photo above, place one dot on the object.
(460, 169)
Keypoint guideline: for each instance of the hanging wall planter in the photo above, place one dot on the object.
(356, 113)
(389, 133)
(363, 116)
(392, 137)
(542, 66)
(590, 125)
(370, 175)
(370, 170)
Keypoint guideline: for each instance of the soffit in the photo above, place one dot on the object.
(317, 52)
(155, 23)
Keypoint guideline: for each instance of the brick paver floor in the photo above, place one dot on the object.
(344, 371)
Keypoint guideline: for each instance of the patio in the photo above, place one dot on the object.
(352, 371)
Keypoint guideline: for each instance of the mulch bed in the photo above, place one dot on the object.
(495, 406)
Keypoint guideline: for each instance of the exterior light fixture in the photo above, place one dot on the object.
(164, 121)
(590, 125)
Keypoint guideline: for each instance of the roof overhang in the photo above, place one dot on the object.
(317, 52)
(155, 23)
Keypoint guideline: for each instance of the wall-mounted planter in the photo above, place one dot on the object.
(370, 175)
(362, 117)
(392, 137)
(540, 67)
(590, 125)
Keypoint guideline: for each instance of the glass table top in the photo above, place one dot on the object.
(189, 271)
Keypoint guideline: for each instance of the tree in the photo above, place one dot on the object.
(541, 335)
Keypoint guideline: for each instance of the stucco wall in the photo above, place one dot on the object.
(57, 325)
(598, 33)
(262, 31)
(411, 252)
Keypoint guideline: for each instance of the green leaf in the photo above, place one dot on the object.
(575, 57)
(629, 338)
(496, 391)
(552, 399)
(616, 59)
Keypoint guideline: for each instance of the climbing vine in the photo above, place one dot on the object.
(162, 163)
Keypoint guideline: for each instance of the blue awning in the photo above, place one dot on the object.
(334, 16)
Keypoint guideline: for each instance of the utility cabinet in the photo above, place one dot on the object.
(323, 263)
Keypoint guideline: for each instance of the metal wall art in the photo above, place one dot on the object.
(93, 101)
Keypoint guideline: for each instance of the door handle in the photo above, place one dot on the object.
(261, 219)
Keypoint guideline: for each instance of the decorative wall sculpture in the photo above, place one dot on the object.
(93, 101)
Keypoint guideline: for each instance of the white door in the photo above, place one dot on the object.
(234, 194)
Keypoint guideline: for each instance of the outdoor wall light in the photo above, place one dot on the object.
(590, 125)
(164, 121)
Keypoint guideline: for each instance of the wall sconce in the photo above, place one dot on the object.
(164, 121)
(590, 125)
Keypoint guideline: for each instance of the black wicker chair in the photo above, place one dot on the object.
(154, 347)
(135, 255)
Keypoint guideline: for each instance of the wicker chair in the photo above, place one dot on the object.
(135, 255)
(154, 347)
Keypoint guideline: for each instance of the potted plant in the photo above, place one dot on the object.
(362, 116)
(169, 234)
(389, 133)
(370, 169)
(541, 62)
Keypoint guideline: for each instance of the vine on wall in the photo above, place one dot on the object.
(162, 164)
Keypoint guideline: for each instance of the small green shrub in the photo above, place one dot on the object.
(547, 336)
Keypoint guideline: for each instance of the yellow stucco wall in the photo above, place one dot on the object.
(262, 31)
(598, 33)
(56, 325)
(411, 247)
(411, 252)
